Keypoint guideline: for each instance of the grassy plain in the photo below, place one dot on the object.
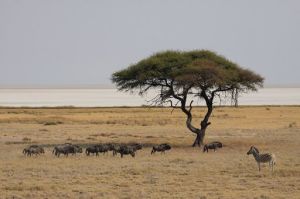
(183, 172)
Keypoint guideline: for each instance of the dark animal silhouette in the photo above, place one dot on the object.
(98, 148)
(92, 150)
(64, 149)
(103, 148)
(160, 148)
(212, 145)
(33, 149)
(127, 150)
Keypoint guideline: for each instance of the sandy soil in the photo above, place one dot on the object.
(183, 172)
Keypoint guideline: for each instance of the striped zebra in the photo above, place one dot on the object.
(262, 158)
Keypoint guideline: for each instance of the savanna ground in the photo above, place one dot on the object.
(183, 172)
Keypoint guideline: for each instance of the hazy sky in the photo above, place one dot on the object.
(82, 42)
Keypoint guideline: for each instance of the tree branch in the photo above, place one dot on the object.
(221, 90)
(204, 123)
(190, 109)
(173, 106)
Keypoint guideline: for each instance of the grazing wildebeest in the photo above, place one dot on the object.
(262, 158)
(92, 149)
(61, 145)
(127, 150)
(33, 149)
(162, 148)
(104, 148)
(64, 149)
(212, 145)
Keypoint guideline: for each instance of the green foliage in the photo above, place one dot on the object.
(200, 69)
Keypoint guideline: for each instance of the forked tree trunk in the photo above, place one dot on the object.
(200, 133)
(199, 138)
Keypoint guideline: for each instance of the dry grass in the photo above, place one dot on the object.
(184, 172)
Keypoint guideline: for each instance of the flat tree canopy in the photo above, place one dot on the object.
(183, 74)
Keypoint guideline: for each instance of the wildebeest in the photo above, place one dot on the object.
(92, 149)
(33, 149)
(65, 149)
(161, 148)
(127, 150)
(104, 148)
(212, 145)
(100, 148)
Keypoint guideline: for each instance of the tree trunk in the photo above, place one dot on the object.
(200, 137)
(204, 124)
(200, 132)
(197, 140)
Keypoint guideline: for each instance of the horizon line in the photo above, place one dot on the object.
(108, 86)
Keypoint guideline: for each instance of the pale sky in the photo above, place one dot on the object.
(82, 42)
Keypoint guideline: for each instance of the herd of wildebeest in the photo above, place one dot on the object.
(122, 149)
(131, 149)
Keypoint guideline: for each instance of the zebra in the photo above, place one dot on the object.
(262, 158)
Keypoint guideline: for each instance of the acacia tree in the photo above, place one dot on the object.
(179, 76)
